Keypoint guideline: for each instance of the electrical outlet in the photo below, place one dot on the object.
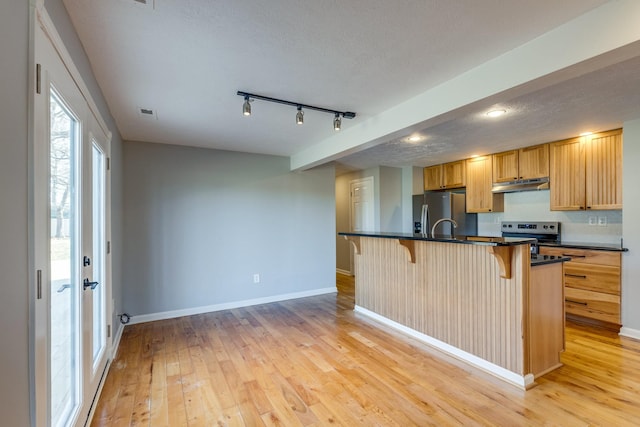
(256, 278)
(593, 220)
(602, 221)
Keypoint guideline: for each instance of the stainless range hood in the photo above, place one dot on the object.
(521, 185)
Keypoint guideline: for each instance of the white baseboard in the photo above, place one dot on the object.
(227, 306)
(345, 272)
(521, 381)
(630, 333)
(116, 341)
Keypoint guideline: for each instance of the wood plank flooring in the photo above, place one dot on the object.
(314, 362)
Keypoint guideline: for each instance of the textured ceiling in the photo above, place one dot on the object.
(596, 101)
(185, 59)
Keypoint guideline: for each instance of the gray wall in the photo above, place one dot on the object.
(631, 227)
(390, 199)
(199, 223)
(14, 302)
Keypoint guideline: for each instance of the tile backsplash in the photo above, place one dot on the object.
(577, 226)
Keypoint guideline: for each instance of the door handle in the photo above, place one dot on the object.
(63, 287)
(87, 284)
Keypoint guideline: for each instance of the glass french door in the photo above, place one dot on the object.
(71, 219)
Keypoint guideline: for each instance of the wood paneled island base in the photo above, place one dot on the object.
(479, 302)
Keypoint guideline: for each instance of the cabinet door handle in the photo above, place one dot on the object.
(575, 302)
(575, 256)
(579, 276)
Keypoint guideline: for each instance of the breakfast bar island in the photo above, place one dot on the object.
(484, 300)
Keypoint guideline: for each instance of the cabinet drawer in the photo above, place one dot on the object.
(584, 255)
(593, 277)
(594, 305)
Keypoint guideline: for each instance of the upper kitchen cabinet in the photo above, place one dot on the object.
(505, 166)
(480, 199)
(567, 174)
(533, 162)
(604, 170)
(586, 172)
(525, 163)
(446, 176)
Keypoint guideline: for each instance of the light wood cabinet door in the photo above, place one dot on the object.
(505, 166)
(567, 174)
(533, 162)
(592, 305)
(454, 174)
(479, 196)
(604, 170)
(433, 178)
(582, 256)
(594, 277)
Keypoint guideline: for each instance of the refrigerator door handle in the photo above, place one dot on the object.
(424, 220)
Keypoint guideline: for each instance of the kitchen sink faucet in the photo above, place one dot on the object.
(452, 221)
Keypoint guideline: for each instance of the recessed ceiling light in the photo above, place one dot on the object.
(473, 156)
(496, 113)
(415, 138)
(586, 133)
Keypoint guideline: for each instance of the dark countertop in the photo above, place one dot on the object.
(547, 259)
(470, 240)
(583, 245)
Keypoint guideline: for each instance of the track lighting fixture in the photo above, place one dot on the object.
(337, 120)
(246, 107)
(300, 116)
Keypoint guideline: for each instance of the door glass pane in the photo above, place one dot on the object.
(99, 244)
(64, 271)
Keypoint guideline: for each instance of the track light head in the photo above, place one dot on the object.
(300, 116)
(337, 122)
(246, 107)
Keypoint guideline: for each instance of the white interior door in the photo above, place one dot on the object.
(362, 212)
(71, 225)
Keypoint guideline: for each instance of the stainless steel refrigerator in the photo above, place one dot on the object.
(434, 205)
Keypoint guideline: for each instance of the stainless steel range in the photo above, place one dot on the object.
(542, 231)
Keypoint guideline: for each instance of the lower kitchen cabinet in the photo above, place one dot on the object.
(591, 285)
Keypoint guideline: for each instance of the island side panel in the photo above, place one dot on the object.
(453, 293)
(546, 318)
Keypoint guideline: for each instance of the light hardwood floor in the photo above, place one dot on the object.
(314, 362)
